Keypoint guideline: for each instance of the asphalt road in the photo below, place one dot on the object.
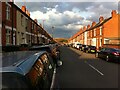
(83, 70)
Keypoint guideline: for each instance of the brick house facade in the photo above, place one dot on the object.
(18, 28)
(105, 33)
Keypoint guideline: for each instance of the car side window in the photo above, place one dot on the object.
(103, 49)
(107, 50)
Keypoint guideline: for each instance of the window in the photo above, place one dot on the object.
(100, 42)
(94, 32)
(26, 23)
(32, 26)
(100, 30)
(106, 41)
(7, 11)
(8, 37)
(21, 20)
(91, 33)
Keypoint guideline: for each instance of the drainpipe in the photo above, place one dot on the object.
(12, 22)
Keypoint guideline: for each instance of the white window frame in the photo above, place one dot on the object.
(22, 17)
(8, 36)
(8, 11)
(100, 42)
(94, 32)
(100, 30)
(32, 25)
(91, 33)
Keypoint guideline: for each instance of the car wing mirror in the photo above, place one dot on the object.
(50, 66)
(59, 63)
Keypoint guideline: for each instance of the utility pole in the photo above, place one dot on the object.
(43, 23)
(52, 31)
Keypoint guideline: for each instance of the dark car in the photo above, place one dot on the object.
(83, 47)
(90, 49)
(109, 54)
(80, 47)
(34, 72)
(52, 49)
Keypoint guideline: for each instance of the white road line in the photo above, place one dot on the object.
(94, 68)
(53, 80)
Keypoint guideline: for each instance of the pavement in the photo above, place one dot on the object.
(84, 70)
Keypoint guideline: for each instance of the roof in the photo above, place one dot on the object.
(99, 24)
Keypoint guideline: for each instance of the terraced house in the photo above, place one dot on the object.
(18, 28)
(105, 33)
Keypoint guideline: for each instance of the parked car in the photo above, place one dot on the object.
(90, 49)
(34, 72)
(109, 54)
(83, 47)
(78, 46)
(52, 49)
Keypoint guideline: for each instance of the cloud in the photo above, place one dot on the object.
(56, 18)
(68, 17)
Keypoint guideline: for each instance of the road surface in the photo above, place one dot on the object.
(83, 70)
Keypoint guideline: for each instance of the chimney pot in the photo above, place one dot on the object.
(93, 24)
(35, 20)
(88, 26)
(24, 9)
(101, 19)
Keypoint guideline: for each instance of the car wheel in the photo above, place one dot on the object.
(107, 58)
(96, 55)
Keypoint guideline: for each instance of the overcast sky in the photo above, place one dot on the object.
(68, 17)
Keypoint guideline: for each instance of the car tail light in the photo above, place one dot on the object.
(116, 53)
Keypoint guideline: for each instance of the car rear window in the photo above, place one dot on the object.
(93, 47)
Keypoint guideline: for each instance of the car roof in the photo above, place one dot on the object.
(23, 66)
(9, 58)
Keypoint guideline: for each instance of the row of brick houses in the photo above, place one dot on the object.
(18, 28)
(105, 33)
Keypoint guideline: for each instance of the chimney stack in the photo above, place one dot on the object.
(101, 19)
(27, 12)
(35, 20)
(24, 9)
(88, 26)
(93, 24)
(113, 13)
(84, 28)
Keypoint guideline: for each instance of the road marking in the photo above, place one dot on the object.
(53, 79)
(94, 68)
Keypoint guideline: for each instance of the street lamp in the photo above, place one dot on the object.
(52, 30)
(43, 23)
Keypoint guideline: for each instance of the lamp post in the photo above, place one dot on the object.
(43, 23)
(52, 30)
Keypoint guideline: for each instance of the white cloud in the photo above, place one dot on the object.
(71, 16)
(38, 15)
(56, 18)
